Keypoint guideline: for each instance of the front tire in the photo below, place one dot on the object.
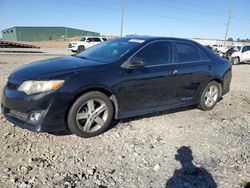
(90, 115)
(236, 60)
(210, 96)
(80, 49)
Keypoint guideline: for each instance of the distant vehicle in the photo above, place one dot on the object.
(221, 48)
(226, 52)
(117, 79)
(84, 43)
(216, 47)
(241, 56)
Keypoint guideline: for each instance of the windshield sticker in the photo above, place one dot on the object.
(137, 40)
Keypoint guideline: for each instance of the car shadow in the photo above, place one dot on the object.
(245, 63)
(61, 133)
(149, 115)
(170, 111)
(114, 123)
(189, 175)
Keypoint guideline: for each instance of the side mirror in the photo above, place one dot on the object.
(136, 62)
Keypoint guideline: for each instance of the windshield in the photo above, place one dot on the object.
(111, 50)
(82, 39)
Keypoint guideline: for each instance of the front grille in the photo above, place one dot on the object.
(70, 45)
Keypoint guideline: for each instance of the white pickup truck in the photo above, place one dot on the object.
(241, 56)
(84, 43)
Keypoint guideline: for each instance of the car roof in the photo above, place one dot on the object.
(152, 38)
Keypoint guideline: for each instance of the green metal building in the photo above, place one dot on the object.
(43, 33)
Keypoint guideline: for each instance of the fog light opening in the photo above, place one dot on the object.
(35, 117)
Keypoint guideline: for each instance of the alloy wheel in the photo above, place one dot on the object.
(211, 95)
(92, 115)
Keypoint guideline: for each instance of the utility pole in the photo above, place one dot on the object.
(122, 18)
(228, 24)
(66, 32)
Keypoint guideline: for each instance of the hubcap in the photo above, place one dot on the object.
(92, 115)
(211, 96)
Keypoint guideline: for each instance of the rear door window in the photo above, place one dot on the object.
(96, 39)
(246, 48)
(188, 52)
(156, 53)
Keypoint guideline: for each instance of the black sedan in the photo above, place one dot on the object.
(115, 79)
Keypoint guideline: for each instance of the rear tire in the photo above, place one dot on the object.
(210, 96)
(90, 115)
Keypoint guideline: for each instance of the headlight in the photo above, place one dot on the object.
(31, 87)
(74, 43)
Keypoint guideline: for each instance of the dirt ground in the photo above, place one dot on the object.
(178, 148)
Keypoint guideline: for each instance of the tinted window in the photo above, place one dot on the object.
(104, 39)
(156, 53)
(246, 48)
(187, 52)
(96, 40)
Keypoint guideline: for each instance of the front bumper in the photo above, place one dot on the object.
(72, 47)
(17, 107)
(226, 82)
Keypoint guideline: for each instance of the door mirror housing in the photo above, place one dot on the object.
(136, 62)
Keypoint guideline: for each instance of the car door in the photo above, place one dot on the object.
(246, 53)
(89, 42)
(193, 68)
(151, 86)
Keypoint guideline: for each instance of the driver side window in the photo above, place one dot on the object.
(156, 53)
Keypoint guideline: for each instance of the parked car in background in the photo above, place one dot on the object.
(116, 79)
(241, 56)
(226, 52)
(84, 43)
(216, 47)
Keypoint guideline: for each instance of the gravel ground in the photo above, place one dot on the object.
(178, 148)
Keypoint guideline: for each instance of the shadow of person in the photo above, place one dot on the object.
(189, 176)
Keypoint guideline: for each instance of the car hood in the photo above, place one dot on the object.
(51, 68)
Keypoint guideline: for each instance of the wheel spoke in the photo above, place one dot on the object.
(92, 115)
(207, 101)
(91, 106)
(100, 109)
(82, 116)
(88, 125)
(210, 90)
(206, 94)
(214, 93)
(99, 121)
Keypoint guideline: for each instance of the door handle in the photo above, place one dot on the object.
(175, 71)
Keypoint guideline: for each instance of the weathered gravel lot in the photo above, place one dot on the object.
(136, 153)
